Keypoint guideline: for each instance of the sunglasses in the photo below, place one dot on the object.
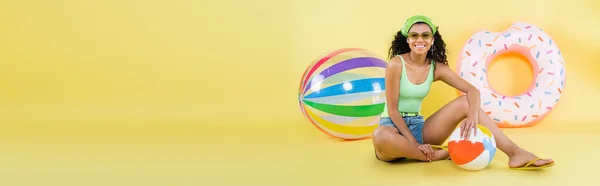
(415, 36)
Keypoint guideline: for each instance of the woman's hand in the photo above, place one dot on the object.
(427, 150)
(469, 123)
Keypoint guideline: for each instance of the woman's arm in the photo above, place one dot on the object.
(448, 76)
(392, 91)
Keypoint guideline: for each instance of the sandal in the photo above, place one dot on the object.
(531, 166)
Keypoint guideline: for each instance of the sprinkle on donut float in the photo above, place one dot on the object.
(548, 69)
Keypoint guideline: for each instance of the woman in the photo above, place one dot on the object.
(417, 59)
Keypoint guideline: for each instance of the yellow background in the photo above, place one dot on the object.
(79, 78)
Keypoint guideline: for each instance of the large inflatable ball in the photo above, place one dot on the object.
(342, 93)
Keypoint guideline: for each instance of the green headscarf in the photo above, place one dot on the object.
(416, 19)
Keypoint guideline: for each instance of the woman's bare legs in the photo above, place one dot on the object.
(389, 145)
(441, 124)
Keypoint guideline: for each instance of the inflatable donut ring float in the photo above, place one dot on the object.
(548, 69)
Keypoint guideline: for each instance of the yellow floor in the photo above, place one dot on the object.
(294, 153)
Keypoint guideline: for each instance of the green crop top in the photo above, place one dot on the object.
(411, 95)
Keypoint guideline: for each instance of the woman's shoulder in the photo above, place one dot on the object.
(441, 69)
(394, 66)
(440, 65)
(396, 61)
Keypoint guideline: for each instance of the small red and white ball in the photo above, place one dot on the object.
(474, 153)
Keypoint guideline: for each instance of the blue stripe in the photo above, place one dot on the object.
(537, 55)
(547, 92)
(507, 35)
(487, 103)
(479, 43)
(531, 106)
(362, 85)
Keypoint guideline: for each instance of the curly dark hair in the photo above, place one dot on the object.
(400, 46)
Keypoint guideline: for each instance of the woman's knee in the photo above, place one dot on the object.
(382, 136)
(462, 103)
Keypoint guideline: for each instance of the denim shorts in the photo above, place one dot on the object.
(414, 123)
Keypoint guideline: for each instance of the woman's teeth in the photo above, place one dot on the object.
(420, 46)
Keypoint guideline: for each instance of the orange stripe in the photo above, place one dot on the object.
(496, 37)
(507, 110)
(559, 91)
(472, 73)
(464, 151)
(468, 54)
(532, 46)
(488, 112)
(540, 38)
(516, 104)
(494, 95)
(488, 45)
(540, 104)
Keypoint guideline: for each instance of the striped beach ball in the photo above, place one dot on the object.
(342, 93)
(475, 153)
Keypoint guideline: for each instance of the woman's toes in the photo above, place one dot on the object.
(543, 162)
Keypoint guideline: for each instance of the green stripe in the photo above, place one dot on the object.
(351, 111)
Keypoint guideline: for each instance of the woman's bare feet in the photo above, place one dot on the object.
(440, 155)
(522, 158)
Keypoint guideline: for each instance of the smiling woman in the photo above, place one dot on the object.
(400, 43)
(416, 61)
